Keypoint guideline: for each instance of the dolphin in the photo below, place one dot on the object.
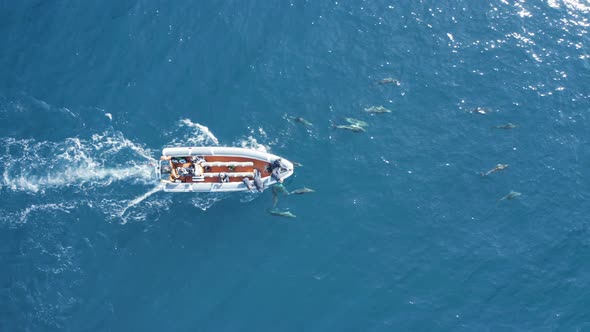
(303, 190)
(498, 167)
(296, 164)
(511, 195)
(301, 120)
(280, 213)
(508, 125)
(297, 119)
(388, 80)
(377, 109)
(356, 129)
(356, 122)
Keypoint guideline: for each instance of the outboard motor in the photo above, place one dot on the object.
(258, 180)
(246, 181)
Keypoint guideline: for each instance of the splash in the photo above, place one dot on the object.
(99, 172)
(51, 208)
(207, 200)
(189, 133)
(35, 167)
(574, 5)
(251, 143)
(74, 177)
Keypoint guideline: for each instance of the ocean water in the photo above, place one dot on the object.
(402, 233)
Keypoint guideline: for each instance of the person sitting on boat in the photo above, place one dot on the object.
(276, 167)
(198, 160)
(246, 181)
(198, 169)
(174, 175)
(258, 180)
(276, 174)
(182, 171)
(276, 163)
(223, 177)
(177, 160)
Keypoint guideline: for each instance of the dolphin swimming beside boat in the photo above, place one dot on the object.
(388, 80)
(279, 213)
(356, 125)
(511, 195)
(297, 119)
(377, 109)
(301, 120)
(508, 125)
(356, 122)
(498, 167)
(356, 129)
(301, 191)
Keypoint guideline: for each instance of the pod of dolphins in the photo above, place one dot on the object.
(358, 126)
(280, 190)
(483, 111)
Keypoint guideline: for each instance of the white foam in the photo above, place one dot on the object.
(200, 135)
(90, 167)
(136, 201)
(23, 216)
(207, 200)
(76, 177)
(577, 5)
(33, 166)
(251, 143)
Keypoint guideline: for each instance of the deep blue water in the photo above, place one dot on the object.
(402, 233)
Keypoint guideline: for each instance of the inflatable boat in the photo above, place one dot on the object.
(219, 169)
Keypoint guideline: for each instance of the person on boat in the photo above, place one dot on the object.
(246, 181)
(174, 176)
(276, 174)
(276, 167)
(198, 167)
(199, 160)
(277, 163)
(182, 171)
(258, 180)
(223, 177)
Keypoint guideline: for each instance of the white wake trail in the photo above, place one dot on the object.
(75, 177)
(136, 201)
